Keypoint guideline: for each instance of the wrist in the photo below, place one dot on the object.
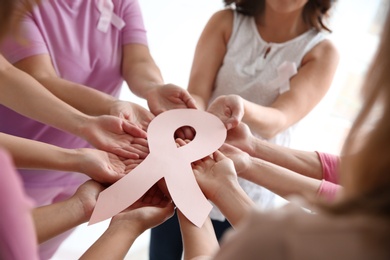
(128, 226)
(149, 90)
(77, 210)
(226, 191)
(83, 126)
(71, 160)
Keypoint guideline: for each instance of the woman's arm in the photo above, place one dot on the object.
(218, 180)
(99, 165)
(307, 88)
(151, 210)
(303, 162)
(279, 180)
(25, 95)
(198, 242)
(210, 51)
(54, 219)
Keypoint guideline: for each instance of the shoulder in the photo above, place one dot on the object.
(324, 50)
(222, 21)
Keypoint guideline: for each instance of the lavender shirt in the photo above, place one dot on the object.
(67, 31)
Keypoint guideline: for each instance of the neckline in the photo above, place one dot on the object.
(254, 27)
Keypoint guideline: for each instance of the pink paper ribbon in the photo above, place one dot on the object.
(168, 161)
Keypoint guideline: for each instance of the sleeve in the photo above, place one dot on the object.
(330, 164)
(328, 190)
(28, 41)
(17, 232)
(134, 31)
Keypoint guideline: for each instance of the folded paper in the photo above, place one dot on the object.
(170, 162)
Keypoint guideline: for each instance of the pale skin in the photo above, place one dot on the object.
(197, 240)
(141, 75)
(23, 94)
(282, 170)
(306, 163)
(150, 210)
(99, 165)
(278, 23)
(218, 180)
(217, 177)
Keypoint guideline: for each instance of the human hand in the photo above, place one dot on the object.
(228, 108)
(241, 137)
(87, 195)
(132, 113)
(101, 166)
(130, 164)
(240, 158)
(115, 135)
(214, 174)
(167, 97)
(149, 211)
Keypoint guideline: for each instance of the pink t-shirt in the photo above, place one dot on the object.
(67, 31)
(17, 231)
(329, 186)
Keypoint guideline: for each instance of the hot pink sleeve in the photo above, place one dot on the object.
(329, 186)
(328, 190)
(17, 233)
(330, 164)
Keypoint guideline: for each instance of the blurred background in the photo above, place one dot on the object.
(173, 29)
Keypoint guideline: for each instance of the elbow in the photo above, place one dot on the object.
(270, 130)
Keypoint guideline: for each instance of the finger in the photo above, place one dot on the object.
(140, 151)
(124, 153)
(163, 187)
(218, 156)
(189, 132)
(133, 130)
(189, 100)
(180, 142)
(140, 141)
(148, 197)
(179, 133)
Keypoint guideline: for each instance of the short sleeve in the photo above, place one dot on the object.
(134, 31)
(27, 42)
(328, 190)
(330, 164)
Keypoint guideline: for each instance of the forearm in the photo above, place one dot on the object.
(88, 100)
(114, 243)
(200, 102)
(270, 123)
(302, 162)
(234, 203)
(37, 155)
(279, 180)
(142, 77)
(25, 95)
(54, 219)
(197, 241)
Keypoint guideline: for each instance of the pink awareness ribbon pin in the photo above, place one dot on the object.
(108, 17)
(285, 71)
(168, 161)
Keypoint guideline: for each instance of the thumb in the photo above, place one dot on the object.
(218, 156)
